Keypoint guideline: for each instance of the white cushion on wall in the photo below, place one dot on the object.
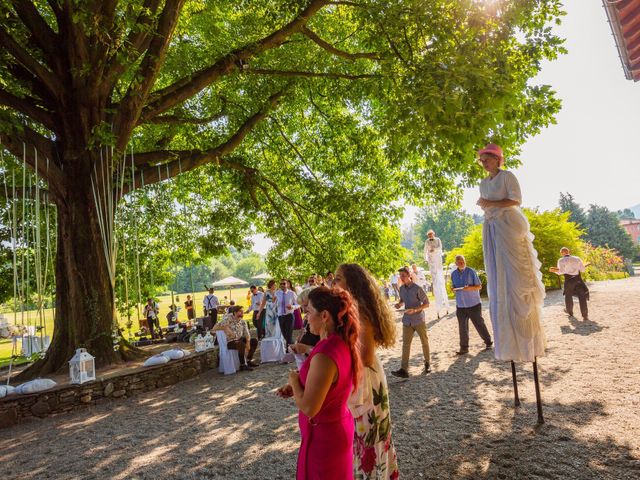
(6, 390)
(174, 354)
(34, 386)
(155, 360)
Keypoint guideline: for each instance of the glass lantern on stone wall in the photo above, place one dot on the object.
(82, 367)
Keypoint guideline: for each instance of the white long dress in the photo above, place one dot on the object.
(433, 256)
(514, 280)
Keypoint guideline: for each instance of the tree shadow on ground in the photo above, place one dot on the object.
(449, 421)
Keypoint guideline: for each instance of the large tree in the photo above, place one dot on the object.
(310, 116)
(604, 230)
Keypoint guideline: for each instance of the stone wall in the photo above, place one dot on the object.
(15, 409)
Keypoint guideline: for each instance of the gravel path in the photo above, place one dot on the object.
(456, 423)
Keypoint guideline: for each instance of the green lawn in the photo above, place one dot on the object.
(239, 295)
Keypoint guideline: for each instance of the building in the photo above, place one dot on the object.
(624, 18)
(632, 226)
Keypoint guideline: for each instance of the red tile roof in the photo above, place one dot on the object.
(624, 17)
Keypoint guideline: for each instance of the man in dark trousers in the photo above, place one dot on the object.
(286, 300)
(466, 285)
(572, 267)
(150, 312)
(210, 305)
(256, 301)
(415, 301)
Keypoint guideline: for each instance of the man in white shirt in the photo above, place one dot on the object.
(571, 267)
(210, 304)
(286, 300)
(150, 312)
(256, 301)
(433, 256)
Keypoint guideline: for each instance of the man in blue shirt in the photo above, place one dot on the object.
(467, 285)
(415, 301)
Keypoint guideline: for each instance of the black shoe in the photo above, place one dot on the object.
(427, 368)
(462, 352)
(253, 364)
(246, 368)
(402, 373)
(489, 346)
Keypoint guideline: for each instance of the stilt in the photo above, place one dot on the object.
(538, 398)
(515, 384)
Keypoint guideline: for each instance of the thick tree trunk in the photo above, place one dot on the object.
(84, 294)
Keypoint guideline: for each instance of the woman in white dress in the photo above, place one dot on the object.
(514, 280)
(433, 256)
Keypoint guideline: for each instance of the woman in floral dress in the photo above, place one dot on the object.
(374, 456)
(270, 307)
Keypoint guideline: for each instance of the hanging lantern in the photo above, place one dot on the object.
(82, 367)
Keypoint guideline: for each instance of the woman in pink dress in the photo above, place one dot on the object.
(322, 388)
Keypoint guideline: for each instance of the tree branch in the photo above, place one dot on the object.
(177, 120)
(186, 87)
(285, 224)
(307, 32)
(28, 107)
(293, 73)
(44, 36)
(138, 40)
(349, 4)
(136, 96)
(24, 144)
(46, 77)
(29, 81)
(180, 161)
(296, 150)
(294, 206)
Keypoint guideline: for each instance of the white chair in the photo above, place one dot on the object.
(272, 349)
(229, 360)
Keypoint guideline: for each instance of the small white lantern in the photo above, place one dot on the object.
(82, 367)
(200, 344)
(208, 341)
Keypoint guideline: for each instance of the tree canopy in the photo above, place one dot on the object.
(307, 119)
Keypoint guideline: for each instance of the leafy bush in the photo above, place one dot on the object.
(605, 263)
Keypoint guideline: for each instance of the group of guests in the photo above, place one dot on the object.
(277, 309)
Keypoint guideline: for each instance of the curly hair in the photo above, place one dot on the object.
(344, 313)
(371, 304)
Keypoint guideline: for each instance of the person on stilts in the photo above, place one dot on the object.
(514, 280)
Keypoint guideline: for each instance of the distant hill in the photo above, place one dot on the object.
(636, 210)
